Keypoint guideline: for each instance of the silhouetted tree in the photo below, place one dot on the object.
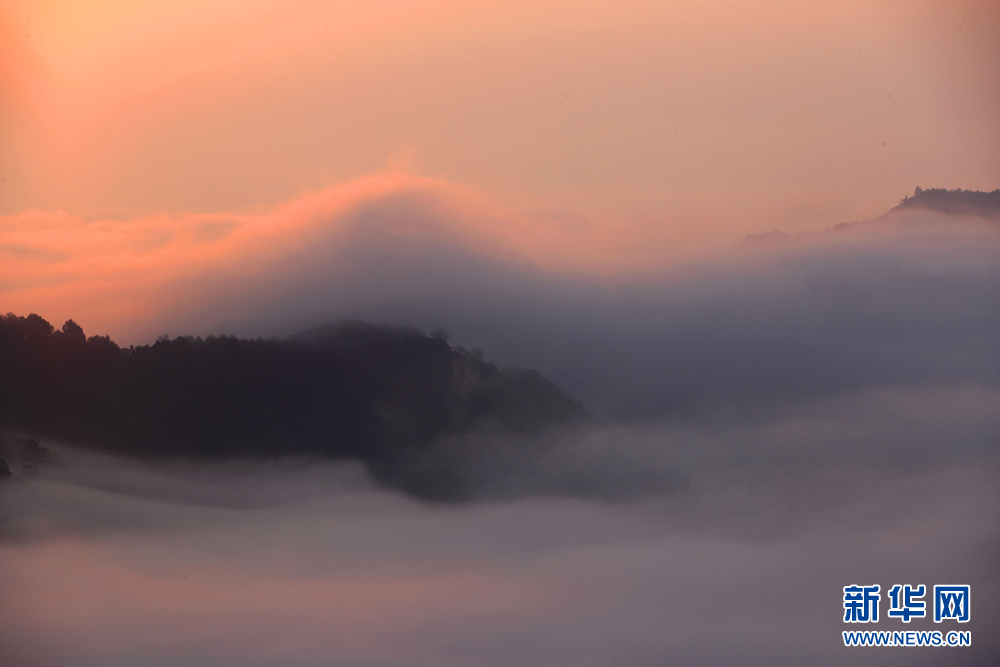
(33, 453)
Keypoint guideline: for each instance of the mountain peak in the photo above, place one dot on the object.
(961, 202)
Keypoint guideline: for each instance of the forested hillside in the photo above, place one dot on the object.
(352, 390)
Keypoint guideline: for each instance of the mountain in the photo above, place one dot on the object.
(958, 202)
(352, 390)
(952, 202)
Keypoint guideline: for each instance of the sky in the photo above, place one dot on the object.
(693, 121)
(567, 186)
(584, 137)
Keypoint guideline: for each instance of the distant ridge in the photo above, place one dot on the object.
(953, 202)
(957, 202)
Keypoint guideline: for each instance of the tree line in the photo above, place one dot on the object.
(350, 390)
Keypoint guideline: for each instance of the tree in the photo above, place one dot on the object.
(33, 453)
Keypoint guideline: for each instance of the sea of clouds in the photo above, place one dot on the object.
(773, 423)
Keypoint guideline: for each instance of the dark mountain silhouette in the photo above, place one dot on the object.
(952, 202)
(378, 394)
(958, 202)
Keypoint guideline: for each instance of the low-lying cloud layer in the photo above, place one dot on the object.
(779, 421)
(717, 547)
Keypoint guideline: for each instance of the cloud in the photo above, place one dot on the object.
(111, 562)
(896, 303)
(628, 331)
(897, 431)
(780, 420)
(116, 274)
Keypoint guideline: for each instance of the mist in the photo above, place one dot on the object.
(911, 298)
(618, 545)
(775, 422)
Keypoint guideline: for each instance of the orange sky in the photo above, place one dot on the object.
(109, 273)
(568, 133)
